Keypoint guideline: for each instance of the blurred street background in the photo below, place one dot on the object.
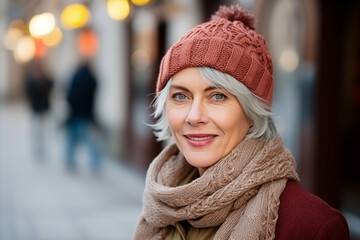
(40, 200)
(77, 78)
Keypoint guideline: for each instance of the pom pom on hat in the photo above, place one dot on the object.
(235, 13)
(227, 43)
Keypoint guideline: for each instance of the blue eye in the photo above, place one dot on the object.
(179, 96)
(219, 96)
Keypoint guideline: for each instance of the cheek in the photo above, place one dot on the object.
(233, 122)
(225, 117)
(175, 117)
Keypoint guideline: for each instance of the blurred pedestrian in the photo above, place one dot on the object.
(81, 122)
(226, 174)
(38, 88)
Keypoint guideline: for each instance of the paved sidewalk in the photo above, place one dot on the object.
(39, 200)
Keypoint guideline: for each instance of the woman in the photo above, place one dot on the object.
(227, 175)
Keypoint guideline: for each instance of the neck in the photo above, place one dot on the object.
(201, 171)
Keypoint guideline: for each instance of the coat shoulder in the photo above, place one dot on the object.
(303, 215)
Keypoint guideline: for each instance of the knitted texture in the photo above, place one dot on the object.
(240, 193)
(226, 43)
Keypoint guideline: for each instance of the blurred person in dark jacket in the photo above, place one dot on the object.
(81, 120)
(38, 88)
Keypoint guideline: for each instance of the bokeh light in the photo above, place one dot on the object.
(24, 49)
(54, 38)
(11, 38)
(41, 24)
(87, 43)
(140, 59)
(118, 9)
(140, 2)
(18, 23)
(40, 49)
(75, 16)
(289, 60)
(15, 31)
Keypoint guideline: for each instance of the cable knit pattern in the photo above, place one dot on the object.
(229, 44)
(240, 193)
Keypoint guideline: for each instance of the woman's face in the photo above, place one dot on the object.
(206, 122)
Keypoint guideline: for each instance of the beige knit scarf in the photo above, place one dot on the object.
(240, 193)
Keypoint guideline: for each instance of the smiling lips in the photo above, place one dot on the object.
(199, 140)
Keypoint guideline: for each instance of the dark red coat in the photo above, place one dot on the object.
(303, 215)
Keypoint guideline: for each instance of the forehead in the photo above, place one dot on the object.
(191, 77)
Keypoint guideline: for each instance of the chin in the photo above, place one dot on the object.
(200, 161)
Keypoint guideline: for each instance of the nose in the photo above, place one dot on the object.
(197, 114)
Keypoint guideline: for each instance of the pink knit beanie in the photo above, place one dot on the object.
(227, 43)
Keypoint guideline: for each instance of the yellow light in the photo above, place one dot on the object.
(53, 38)
(118, 9)
(11, 38)
(75, 16)
(41, 24)
(140, 2)
(17, 23)
(15, 31)
(25, 49)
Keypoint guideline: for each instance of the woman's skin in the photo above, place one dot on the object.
(206, 122)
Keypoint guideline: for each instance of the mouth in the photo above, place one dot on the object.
(199, 137)
(199, 140)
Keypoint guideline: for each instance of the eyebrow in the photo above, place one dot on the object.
(187, 90)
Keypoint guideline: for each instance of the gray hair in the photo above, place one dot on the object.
(254, 107)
